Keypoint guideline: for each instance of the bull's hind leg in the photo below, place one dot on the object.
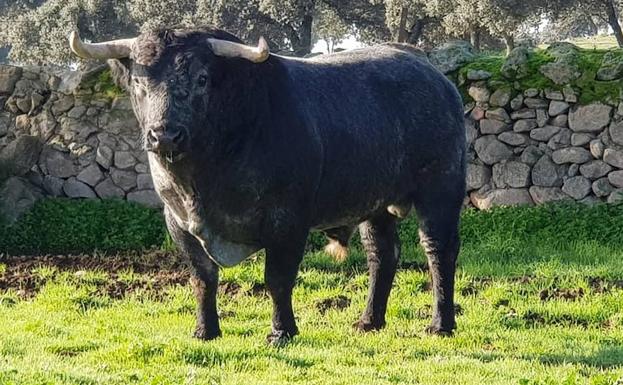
(379, 237)
(204, 280)
(438, 213)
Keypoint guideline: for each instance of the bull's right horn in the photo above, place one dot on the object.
(114, 49)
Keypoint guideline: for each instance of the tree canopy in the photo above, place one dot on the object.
(36, 30)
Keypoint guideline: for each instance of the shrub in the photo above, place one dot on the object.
(74, 226)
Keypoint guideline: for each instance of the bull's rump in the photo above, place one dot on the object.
(385, 120)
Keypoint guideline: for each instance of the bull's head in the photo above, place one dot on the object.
(170, 75)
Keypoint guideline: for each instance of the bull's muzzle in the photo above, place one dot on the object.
(165, 140)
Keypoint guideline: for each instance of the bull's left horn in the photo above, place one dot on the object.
(114, 49)
(226, 48)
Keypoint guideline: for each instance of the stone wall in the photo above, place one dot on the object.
(57, 139)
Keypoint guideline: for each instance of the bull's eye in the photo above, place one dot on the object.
(202, 80)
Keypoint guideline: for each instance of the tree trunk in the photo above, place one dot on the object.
(302, 39)
(474, 38)
(613, 20)
(509, 39)
(403, 34)
(417, 31)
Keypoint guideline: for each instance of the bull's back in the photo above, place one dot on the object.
(381, 114)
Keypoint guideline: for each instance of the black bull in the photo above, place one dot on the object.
(253, 155)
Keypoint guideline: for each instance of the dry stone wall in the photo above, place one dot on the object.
(59, 140)
(538, 146)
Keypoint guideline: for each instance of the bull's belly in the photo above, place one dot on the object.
(185, 207)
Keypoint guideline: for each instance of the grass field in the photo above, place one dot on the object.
(540, 301)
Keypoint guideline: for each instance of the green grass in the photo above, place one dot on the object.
(103, 85)
(515, 325)
(596, 42)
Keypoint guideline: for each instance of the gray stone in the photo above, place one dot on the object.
(77, 112)
(478, 75)
(146, 198)
(613, 157)
(597, 148)
(451, 56)
(479, 93)
(490, 150)
(17, 196)
(541, 118)
(506, 197)
(107, 189)
(144, 181)
(91, 175)
(478, 113)
(124, 160)
(535, 103)
(616, 132)
(516, 102)
(63, 104)
(559, 121)
(560, 72)
(531, 155)
(542, 195)
(602, 187)
(570, 96)
(573, 170)
(595, 169)
(143, 168)
(22, 123)
(73, 188)
(516, 64)
(525, 125)
(500, 97)
(9, 75)
(531, 93)
(490, 126)
(590, 118)
(554, 95)
(577, 187)
(544, 134)
(616, 178)
(18, 157)
(616, 196)
(124, 179)
(43, 125)
(121, 103)
(557, 107)
(525, 113)
(104, 156)
(571, 155)
(611, 67)
(580, 139)
(53, 186)
(513, 138)
(498, 114)
(471, 132)
(545, 173)
(118, 122)
(57, 164)
(511, 174)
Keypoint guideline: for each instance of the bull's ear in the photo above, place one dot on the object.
(120, 71)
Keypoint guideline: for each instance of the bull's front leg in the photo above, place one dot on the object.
(282, 264)
(204, 280)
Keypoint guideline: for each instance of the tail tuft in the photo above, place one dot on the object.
(336, 250)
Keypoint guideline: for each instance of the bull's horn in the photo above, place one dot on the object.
(114, 49)
(226, 48)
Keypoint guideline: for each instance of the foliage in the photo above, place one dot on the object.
(103, 84)
(73, 226)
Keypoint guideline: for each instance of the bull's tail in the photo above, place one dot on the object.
(335, 249)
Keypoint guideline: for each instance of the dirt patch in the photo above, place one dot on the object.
(116, 276)
(230, 289)
(413, 265)
(566, 294)
(340, 302)
(535, 319)
(602, 285)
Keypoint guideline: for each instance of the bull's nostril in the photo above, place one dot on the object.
(177, 136)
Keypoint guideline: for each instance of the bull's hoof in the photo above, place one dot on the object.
(206, 335)
(367, 326)
(278, 338)
(439, 331)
